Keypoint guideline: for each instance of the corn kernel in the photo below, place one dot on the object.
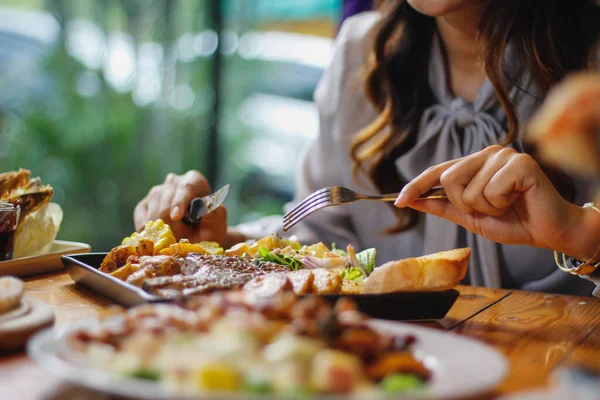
(218, 376)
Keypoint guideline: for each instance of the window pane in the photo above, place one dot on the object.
(103, 98)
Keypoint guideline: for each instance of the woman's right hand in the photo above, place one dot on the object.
(169, 202)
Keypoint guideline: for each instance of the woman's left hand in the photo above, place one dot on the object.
(504, 196)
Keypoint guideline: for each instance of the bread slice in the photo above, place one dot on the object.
(29, 200)
(431, 273)
(12, 180)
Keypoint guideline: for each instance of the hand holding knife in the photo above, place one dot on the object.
(201, 206)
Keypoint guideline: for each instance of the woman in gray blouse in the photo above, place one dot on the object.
(418, 84)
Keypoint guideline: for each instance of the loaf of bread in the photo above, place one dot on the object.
(430, 273)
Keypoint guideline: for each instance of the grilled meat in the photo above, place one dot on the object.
(326, 282)
(152, 266)
(351, 287)
(302, 280)
(202, 273)
(268, 285)
(317, 281)
(174, 276)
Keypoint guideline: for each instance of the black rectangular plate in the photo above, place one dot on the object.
(405, 306)
(83, 269)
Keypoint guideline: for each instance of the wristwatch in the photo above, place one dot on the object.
(576, 267)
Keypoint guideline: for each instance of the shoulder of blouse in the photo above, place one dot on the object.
(357, 27)
(350, 52)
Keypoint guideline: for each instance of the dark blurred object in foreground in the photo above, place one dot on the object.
(352, 7)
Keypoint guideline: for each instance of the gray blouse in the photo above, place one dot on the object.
(450, 129)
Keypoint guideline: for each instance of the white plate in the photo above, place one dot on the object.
(462, 367)
(538, 395)
(50, 262)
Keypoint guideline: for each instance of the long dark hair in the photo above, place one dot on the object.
(551, 38)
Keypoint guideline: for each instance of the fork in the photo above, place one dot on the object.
(336, 195)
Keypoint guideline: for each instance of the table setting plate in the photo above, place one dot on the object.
(18, 325)
(461, 367)
(45, 263)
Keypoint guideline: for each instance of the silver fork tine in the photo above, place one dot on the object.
(306, 210)
(293, 221)
(308, 204)
(309, 198)
(336, 195)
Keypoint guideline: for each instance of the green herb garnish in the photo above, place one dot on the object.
(146, 374)
(258, 387)
(291, 262)
(397, 383)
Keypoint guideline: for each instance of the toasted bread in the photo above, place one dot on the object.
(12, 180)
(30, 194)
(431, 273)
(30, 200)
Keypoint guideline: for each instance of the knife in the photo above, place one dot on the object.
(200, 206)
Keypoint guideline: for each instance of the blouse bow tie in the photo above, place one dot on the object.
(449, 131)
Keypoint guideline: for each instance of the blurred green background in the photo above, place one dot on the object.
(102, 98)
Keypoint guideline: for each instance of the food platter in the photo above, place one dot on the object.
(50, 262)
(454, 375)
(83, 269)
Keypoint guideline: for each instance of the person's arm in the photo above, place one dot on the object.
(581, 238)
(318, 168)
(581, 241)
(505, 197)
(169, 201)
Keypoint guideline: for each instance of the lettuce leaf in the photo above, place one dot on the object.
(351, 274)
(266, 255)
(338, 252)
(367, 260)
(37, 231)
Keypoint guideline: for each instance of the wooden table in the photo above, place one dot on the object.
(537, 333)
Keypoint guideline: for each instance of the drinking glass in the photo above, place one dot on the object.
(9, 218)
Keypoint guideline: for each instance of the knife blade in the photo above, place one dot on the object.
(201, 206)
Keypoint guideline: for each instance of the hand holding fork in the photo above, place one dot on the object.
(337, 195)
